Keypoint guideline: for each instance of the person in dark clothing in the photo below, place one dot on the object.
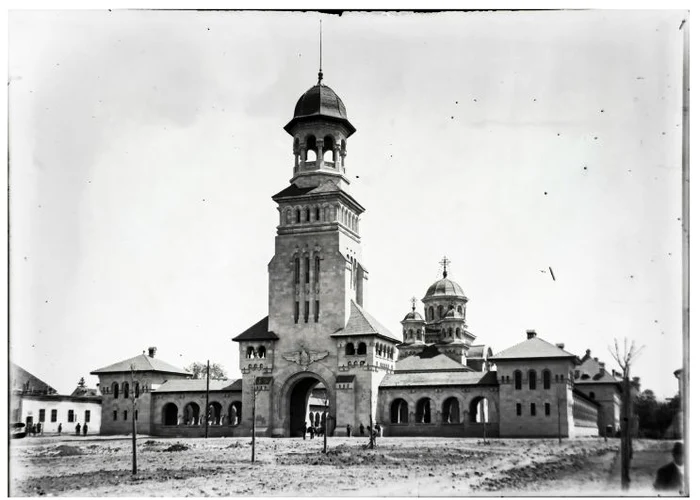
(311, 432)
(670, 476)
(362, 429)
(60, 428)
(77, 429)
(348, 429)
(85, 429)
(303, 432)
(39, 428)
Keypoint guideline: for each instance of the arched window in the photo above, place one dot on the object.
(362, 348)
(450, 411)
(125, 389)
(350, 349)
(518, 376)
(451, 332)
(458, 333)
(399, 411)
(115, 390)
(431, 313)
(532, 379)
(439, 311)
(191, 414)
(317, 269)
(250, 352)
(288, 216)
(137, 390)
(318, 214)
(234, 413)
(311, 148)
(546, 379)
(307, 270)
(423, 411)
(308, 214)
(459, 309)
(170, 414)
(262, 352)
(479, 410)
(298, 216)
(296, 270)
(214, 413)
(328, 154)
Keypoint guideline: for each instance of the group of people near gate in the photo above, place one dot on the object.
(38, 429)
(319, 430)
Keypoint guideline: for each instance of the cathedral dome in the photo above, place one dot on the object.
(413, 315)
(320, 101)
(444, 288)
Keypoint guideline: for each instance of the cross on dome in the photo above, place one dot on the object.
(444, 262)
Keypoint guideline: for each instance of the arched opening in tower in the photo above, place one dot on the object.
(308, 396)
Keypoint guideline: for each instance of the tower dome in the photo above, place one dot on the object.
(444, 288)
(320, 101)
(413, 315)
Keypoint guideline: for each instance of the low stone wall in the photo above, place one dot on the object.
(198, 431)
(441, 430)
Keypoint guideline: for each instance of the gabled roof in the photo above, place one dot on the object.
(532, 348)
(141, 363)
(23, 381)
(258, 331)
(429, 360)
(590, 368)
(199, 385)
(362, 323)
(441, 378)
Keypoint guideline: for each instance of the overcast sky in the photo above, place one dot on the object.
(145, 147)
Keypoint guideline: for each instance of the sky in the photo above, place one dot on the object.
(145, 146)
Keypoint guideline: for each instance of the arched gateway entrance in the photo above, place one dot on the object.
(306, 391)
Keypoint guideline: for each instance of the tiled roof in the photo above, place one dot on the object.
(199, 385)
(258, 331)
(320, 101)
(22, 380)
(141, 363)
(292, 190)
(428, 360)
(531, 348)
(441, 378)
(362, 323)
(590, 368)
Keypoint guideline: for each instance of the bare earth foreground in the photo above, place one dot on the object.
(75, 466)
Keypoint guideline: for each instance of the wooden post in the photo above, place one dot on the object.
(252, 449)
(483, 420)
(206, 412)
(625, 435)
(325, 428)
(133, 423)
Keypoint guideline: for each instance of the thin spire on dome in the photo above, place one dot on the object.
(320, 51)
(445, 261)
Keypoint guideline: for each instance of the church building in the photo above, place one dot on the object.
(319, 351)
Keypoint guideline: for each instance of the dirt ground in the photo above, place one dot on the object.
(100, 466)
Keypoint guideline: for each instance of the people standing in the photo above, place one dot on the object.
(85, 429)
(670, 476)
(311, 432)
(39, 428)
(362, 429)
(60, 428)
(77, 429)
(348, 429)
(303, 432)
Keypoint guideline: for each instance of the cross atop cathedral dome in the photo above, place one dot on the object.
(320, 101)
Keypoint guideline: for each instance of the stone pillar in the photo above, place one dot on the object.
(319, 153)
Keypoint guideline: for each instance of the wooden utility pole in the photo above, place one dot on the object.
(325, 428)
(133, 422)
(252, 449)
(206, 412)
(483, 419)
(685, 190)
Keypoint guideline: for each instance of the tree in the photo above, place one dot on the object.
(624, 358)
(199, 371)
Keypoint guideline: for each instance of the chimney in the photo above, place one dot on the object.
(602, 368)
(152, 352)
(560, 346)
(531, 334)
